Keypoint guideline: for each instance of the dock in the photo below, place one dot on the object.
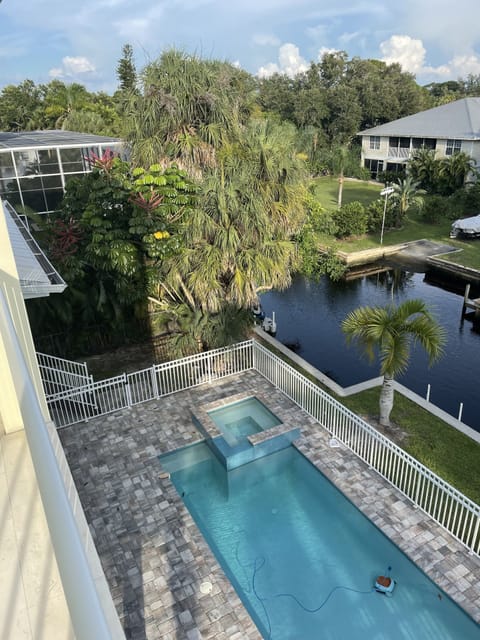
(470, 303)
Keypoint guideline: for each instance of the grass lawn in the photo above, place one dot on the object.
(326, 191)
(414, 228)
(447, 452)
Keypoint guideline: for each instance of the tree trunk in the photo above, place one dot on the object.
(386, 400)
(340, 189)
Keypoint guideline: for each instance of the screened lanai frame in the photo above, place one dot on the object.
(35, 166)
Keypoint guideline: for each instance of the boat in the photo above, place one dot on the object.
(466, 228)
(269, 325)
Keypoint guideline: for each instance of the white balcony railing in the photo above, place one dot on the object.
(402, 154)
(90, 605)
(442, 502)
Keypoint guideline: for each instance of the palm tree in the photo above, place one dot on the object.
(390, 331)
(423, 167)
(237, 241)
(339, 160)
(454, 170)
(186, 110)
(407, 193)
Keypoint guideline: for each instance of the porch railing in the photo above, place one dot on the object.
(427, 491)
(395, 152)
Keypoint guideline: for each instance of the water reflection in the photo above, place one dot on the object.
(309, 315)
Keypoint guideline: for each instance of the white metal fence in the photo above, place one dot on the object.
(59, 375)
(447, 506)
(106, 396)
(442, 502)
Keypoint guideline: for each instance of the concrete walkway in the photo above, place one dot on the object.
(155, 559)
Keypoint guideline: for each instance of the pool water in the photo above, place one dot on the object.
(240, 419)
(303, 559)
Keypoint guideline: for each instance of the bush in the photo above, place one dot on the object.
(387, 177)
(319, 221)
(435, 209)
(351, 220)
(465, 202)
(319, 218)
(375, 215)
(331, 265)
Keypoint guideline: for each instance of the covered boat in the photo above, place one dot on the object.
(466, 227)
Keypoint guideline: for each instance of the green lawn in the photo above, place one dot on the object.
(326, 191)
(414, 228)
(449, 453)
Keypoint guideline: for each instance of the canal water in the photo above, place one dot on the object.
(309, 316)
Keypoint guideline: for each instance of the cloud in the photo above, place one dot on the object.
(411, 55)
(290, 62)
(72, 66)
(407, 51)
(323, 51)
(461, 66)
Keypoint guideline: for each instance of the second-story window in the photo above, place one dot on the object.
(374, 142)
(453, 146)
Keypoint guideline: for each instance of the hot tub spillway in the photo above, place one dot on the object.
(242, 449)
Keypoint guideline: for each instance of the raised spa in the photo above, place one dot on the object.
(241, 428)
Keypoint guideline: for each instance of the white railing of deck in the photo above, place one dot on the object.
(60, 375)
(442, 502)
(427, 491)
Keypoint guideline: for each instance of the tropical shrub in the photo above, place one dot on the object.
(331, 265)
(436, 209)
(375, 214)
(387, 177)
(351, 220)
(465, 201)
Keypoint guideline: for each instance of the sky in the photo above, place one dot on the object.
(437, 40)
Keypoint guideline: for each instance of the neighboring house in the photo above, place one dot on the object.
(35, 166)
(447, 129)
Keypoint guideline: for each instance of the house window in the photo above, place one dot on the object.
(374, 167)
(453, 146)
(374, 142)
(399, 143)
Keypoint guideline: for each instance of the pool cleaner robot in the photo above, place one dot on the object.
(385, 585)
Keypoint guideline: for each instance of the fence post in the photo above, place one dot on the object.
(209, 368)
(428, 393)
(475, 535)
(153, 373)
(460, 411)
(128, 392)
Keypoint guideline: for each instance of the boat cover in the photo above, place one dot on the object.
(468, 226)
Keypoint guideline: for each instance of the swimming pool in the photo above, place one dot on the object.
(302, 558)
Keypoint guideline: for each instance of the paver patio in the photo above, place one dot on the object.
(154, 557)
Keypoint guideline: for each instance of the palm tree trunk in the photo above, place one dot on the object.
(386, 400)
(340, 189)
